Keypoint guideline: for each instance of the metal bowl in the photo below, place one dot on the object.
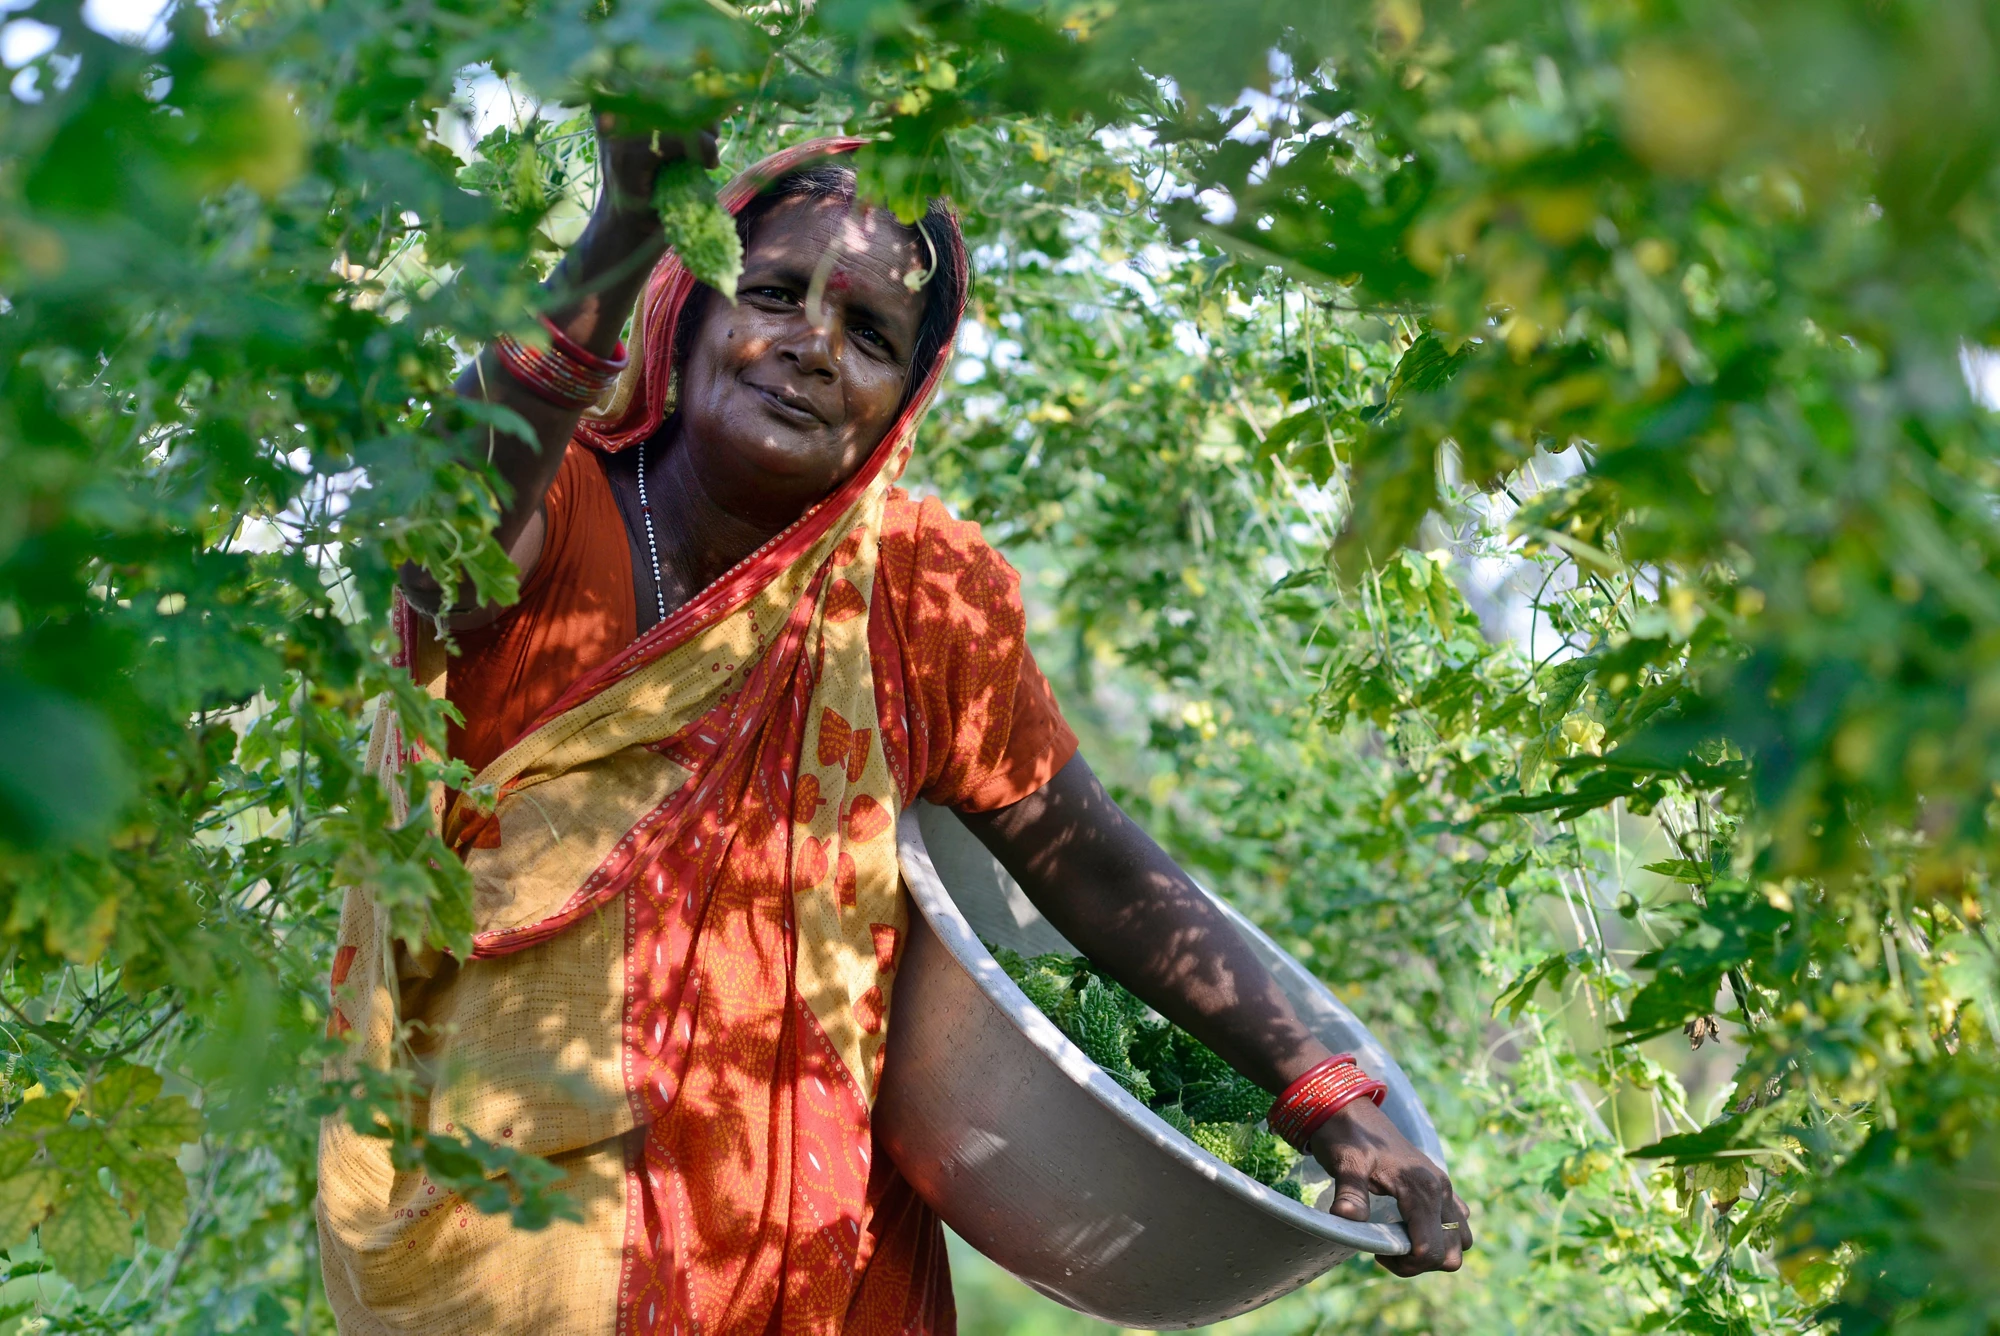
(1044, 1163)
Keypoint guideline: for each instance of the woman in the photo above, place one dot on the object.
(737, 654)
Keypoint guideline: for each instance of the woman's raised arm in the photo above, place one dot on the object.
(592, 293)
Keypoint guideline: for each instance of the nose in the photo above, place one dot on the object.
(811, 347)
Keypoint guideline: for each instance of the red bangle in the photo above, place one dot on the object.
(1315, 1097)
(566, 374)
(564, 344)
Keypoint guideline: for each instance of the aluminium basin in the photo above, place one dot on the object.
(1044, 1163)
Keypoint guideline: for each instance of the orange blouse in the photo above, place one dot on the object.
(984, 729)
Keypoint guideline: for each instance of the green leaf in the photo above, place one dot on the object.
(153, 1188)
(857, 18)
(79, 1148)
(15, 1152)
(1692, 1147)
(86, 1232)
(1597, 790)
(37, 1115)
(25, 1196)
(1427, 365)
(62, 772)
(1551, 971)
(1734, 928)
(1305, 425)
(1683, 870)
(1723, 1180)
(164, 1124)
(122, 1088)
(499, 417)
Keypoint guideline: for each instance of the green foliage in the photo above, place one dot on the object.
(1171, 1071)
(1503, 503)
(53, 1162)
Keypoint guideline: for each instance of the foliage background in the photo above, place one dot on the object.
(1500, 493)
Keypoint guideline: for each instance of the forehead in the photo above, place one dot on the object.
(874, 247)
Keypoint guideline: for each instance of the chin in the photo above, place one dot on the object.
(795, 460)
(765, 463)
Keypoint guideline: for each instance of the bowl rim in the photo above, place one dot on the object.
(942, 914)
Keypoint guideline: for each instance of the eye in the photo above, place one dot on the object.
(771, 292)
(872, 335)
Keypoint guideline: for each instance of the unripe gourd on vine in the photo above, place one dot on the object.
(699, 229)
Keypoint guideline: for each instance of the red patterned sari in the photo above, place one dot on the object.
(689, 918)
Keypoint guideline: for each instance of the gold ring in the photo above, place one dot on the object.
(1451, 1224)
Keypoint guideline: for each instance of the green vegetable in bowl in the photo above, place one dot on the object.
(1177, 1076)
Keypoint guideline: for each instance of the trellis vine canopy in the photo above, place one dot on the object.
(1295, 323)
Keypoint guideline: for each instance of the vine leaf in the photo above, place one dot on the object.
(1426, 365)
(122, 1088)
(1553, 971)
(26, 1193)
(1685, 1148)
(163, 1125)
(51, 1167)
(29, 1183)
(155, 1190)
(86, 1232)
(1734, 928)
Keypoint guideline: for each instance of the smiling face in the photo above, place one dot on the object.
(779, 405)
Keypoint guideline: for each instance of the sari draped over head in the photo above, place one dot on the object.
(689, 915)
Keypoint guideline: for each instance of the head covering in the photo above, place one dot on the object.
(639, 402)
(643, 396)
(689, 914)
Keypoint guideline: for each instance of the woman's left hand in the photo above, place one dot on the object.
(1365, 1153)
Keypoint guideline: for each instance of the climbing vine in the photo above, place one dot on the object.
(1501, 491)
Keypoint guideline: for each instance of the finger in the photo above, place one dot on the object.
(1464, 1222)
(697, 147)
(1454, 1247)
(1350, 1199)
(1397, 1264)
(1421, 1198)
(1405, 1265)
(1451, 1223)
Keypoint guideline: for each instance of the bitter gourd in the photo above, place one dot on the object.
(1181, 1079)
(698, 228)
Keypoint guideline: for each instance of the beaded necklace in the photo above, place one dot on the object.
(652, 544)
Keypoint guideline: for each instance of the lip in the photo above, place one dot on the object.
(789, 405)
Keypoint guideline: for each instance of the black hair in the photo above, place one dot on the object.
(943, 292)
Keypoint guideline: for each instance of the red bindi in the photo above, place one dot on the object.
(838, 283)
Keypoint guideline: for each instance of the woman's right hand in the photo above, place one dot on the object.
(592, 294)
(609, 262)
(629, 164)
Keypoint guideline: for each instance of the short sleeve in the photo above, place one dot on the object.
(576, 611)
(954, 675)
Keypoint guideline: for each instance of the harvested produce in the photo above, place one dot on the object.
(698, 228)
(1174, 1074)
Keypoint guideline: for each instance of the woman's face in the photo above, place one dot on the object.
(780, 404)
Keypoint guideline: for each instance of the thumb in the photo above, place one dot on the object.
(1350, 1199)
